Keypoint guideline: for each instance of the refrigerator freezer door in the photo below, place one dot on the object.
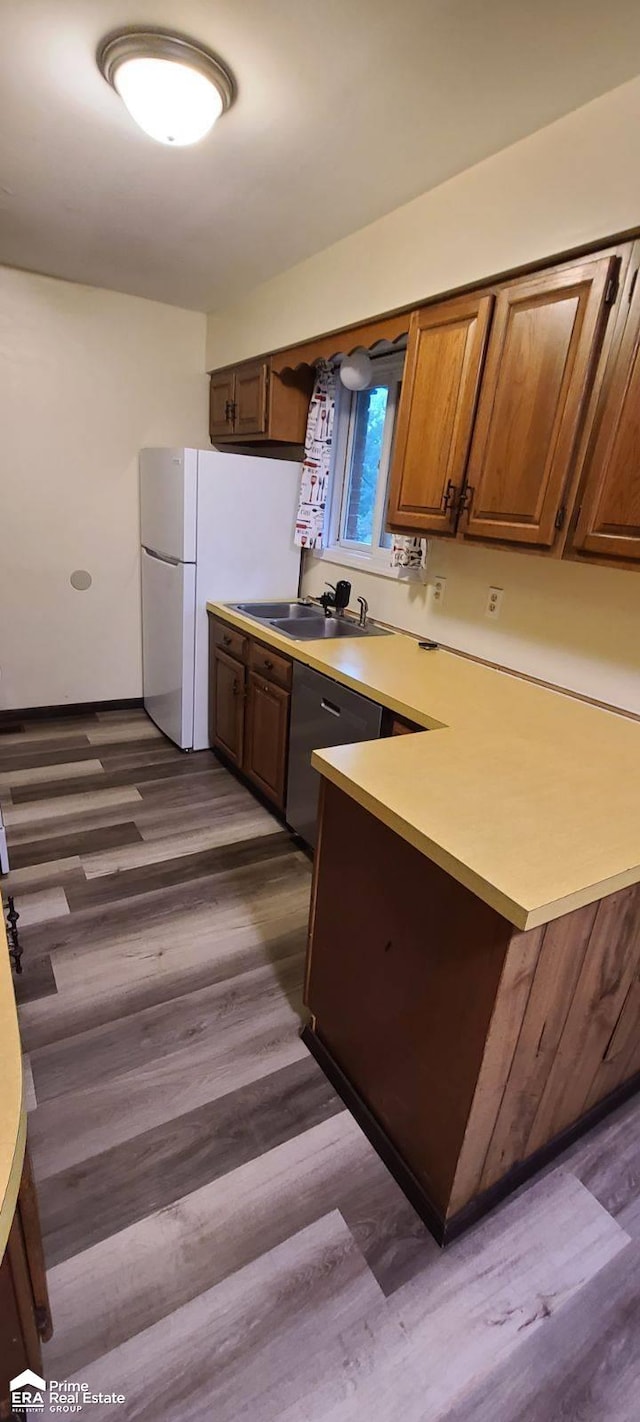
(247, 509)
(168, 634)
(168, 502)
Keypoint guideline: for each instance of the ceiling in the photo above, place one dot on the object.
(345, 109)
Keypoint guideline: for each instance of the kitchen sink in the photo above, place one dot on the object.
(322, 628)
(265, 611)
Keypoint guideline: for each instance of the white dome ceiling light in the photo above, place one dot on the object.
(174, 89)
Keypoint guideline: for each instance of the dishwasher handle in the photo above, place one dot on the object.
(330, 707)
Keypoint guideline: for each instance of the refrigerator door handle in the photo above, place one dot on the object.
(161, 557)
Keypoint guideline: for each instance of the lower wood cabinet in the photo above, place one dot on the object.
(266, 736)
(226, 705)
(249, 705)
(25, 1318)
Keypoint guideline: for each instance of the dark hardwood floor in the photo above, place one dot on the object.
(222, 1242)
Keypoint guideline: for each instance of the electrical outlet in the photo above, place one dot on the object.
(438, 590)
(494, 602)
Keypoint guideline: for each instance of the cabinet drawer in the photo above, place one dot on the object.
(233, 642)
(270, 664)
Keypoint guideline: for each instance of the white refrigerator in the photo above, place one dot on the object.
(214, 527)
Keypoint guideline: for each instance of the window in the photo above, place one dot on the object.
(363, 439)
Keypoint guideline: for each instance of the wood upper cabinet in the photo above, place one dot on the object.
(238, 401)
(221, 400)
(608, 523)
(251, 403)
(545, 338)
(226, 704)
(250, 414)
(444, 361)
(266, 736)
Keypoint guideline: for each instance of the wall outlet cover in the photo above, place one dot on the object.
(438, 588)
(494, 603)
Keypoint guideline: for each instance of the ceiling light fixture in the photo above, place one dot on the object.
(173, 88)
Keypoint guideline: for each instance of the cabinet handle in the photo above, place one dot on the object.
(230, 411)
(268, 665)
(466, 499)
(236, 689)
(449, 496)
(329, 706)
(226, 640)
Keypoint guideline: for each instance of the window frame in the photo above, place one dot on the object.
(374, 558)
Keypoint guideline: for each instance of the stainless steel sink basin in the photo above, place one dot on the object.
(265, 611)
(322, 628)
(304, 622)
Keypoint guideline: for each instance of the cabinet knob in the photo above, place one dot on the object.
(268, 664)
(226, 640)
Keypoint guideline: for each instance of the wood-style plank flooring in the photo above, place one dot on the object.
(222, 1242)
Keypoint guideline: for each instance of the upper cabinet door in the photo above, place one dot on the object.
(609, 519)
(546, 333)
(437, 406)
(221, 405)
(251, 398)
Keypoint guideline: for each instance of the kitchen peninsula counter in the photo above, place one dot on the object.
(527, 796)
(473, 966)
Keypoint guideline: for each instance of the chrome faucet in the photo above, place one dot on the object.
(364, 608)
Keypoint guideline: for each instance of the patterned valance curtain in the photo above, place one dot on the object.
(314, 484)
(408, 552)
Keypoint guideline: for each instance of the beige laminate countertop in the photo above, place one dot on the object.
(527, 796)
(13, 1121)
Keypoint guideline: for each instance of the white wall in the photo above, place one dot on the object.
(576, 626)
(86, 378)
(576, 181)
(571, 183)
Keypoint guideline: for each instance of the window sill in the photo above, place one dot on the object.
(379, 565)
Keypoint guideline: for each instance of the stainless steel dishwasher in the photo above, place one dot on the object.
(323, 713)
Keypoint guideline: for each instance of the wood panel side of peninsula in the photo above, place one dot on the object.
(469, 1051)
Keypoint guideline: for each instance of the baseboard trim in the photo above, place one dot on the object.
(378, 1137)
(446, 1230)
(74, 708)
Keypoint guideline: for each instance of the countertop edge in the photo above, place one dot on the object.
(13, 1114)
(10, 1198)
